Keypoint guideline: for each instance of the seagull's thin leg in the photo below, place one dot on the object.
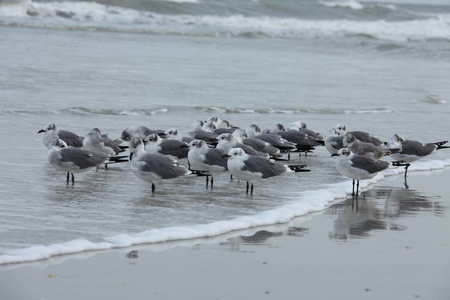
(207, 181)
(73, 179)
(353, 189)
(68, 177)
(357, 187)
(153, 188)
(251, 190)
(231, 177)
(406, 169)
(247, 188)
(212, 182)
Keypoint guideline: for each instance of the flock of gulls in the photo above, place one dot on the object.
(215, 146)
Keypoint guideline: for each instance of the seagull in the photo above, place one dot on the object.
(155, 144)
(301, 126)
(204, 131)
(174, 134)
(223, 126)
(154, 168)
(51, 131)
(358, 167)
(360, 135)
(95, 142)
(303, 142)
(255, 168)
(138, 131)
(333, 141)
(275, 140)
(205, 160)
(73, 160)
(408, 151)
(227, 141)
(356, 146)
(259, 145)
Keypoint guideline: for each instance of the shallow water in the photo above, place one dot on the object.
(80, 79)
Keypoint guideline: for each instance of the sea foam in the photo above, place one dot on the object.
(301, 204)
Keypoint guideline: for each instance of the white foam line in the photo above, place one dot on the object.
(305, 203)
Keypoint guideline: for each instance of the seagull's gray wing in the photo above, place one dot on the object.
(366, 137)
(112, 144)
(82, 158)
(417, 148)
(175, 148)
(260, 145)
(258, 164)
(215, 157)
(162, 165)
(368, 164)
(276, 141)
(71, 138)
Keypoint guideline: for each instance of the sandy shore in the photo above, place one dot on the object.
(393, 244)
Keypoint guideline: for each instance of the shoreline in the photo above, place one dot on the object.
(303, 206)
(390, 247)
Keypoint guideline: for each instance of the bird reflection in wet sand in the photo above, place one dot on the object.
(261, 237)
(375, 214)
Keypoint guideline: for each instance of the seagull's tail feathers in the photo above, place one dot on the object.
(298, 168)
(440, 145)
(118, 159)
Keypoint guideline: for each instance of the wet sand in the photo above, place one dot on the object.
(393, 243)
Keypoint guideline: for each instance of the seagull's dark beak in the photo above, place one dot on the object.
(335, 154)
(162, 134)
(225, 156)
(40, 131)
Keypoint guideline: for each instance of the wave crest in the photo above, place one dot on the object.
(94, 16)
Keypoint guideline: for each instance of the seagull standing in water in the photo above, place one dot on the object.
(408, 151)
(51, 131)
(205, 160)
(253, 168)
(154, 168)
(274, 139)
(358, 167)
(227, 141)
(333, 141)
(138, 131)
(155, 144)
(73, 160)
(95, 142)
(362, 148)
(259, 145)
(360, 135)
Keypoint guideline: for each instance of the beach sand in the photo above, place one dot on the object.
(394, 244)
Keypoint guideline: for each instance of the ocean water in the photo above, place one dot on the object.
(374, 66)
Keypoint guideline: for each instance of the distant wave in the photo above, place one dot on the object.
(206, 109)
(223, 110)
(356, 5)
(345, 4)
(129, 112)
(302, 204)
(94, 16)
(432, 99)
